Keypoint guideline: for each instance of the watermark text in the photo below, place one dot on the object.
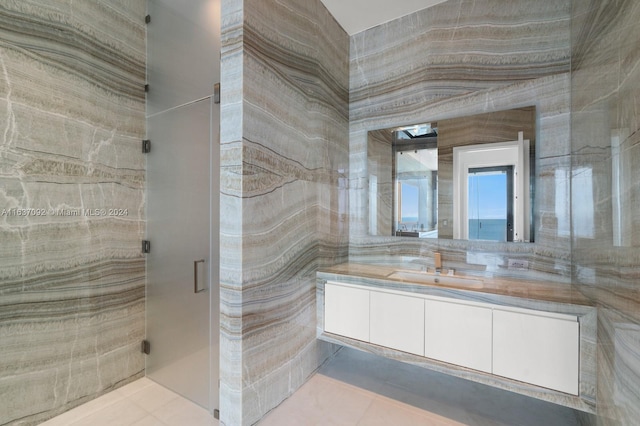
(29, 212)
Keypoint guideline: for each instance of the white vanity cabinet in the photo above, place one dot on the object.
(537, 348)
(458, 334)
(346, 311)
(397, 321)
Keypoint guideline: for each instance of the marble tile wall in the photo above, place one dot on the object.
(284, 166)
(605, 150)
(71, 203)
(463, 58)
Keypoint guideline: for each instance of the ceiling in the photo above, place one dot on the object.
(358, 15)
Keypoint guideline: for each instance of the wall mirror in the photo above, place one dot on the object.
(470, 178)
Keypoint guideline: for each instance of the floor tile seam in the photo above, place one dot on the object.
(59, 418)
(152, 412)
(158, 418)
(350, 387)
(175, 397)
(364, 412)
(124, 399)
(90, 408)
(295, 410)
(191, 407)
(128, 395)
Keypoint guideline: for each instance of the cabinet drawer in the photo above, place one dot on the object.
(459, 334)
(536, 349)
(397, 322)
(346, 311)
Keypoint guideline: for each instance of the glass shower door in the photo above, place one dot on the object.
(179, 262)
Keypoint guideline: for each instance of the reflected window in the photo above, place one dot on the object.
(408, 197)
(491, 191)
(415, 171)
(491, 203)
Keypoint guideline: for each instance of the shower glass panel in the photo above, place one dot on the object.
(179, 267)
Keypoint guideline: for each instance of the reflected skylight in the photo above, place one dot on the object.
(416, 131)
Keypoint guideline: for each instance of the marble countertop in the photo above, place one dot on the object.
(514, 287)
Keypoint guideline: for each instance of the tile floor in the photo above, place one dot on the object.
(352, 389)
(360, 389)
(141, 403)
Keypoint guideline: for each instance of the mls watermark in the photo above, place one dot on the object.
(29, 212)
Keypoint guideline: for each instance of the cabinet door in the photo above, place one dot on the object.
(346, 311)
(459, 334)
(536, 349)
(397, 322)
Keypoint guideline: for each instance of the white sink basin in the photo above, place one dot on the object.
(433, 279)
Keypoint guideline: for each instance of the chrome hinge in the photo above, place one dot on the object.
(216, 93)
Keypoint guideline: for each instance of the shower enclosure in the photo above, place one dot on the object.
(183, 121)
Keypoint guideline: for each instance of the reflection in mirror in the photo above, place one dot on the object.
(490, 207)
(622, 167)
(415, 172)
(414, 191)
(502, 207)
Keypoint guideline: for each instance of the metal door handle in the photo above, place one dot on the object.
(195, 276)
